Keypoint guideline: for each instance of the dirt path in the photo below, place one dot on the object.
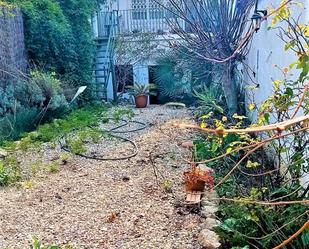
(112, 204)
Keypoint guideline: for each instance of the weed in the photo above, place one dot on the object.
(76, 144)
(167, 185)
(64, 158)
(35, 167)
(28, 184)
(172, 155)
(10, 171)
(53, 167)
(37, 244)
(122, 113)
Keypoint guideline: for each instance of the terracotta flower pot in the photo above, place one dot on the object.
(141, 101)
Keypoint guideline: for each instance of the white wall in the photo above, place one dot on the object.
(124, 4)
(267, 50)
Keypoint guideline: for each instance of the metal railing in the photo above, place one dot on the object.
(106, 21)
(147, 20)
(107, 31)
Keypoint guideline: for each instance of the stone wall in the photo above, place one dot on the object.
(13, 59)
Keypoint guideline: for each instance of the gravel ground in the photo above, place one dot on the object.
(109, 204)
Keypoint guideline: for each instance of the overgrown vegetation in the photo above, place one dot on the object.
(81, 119)
(260, 178)
(78, 129)
(59, 38)
(180, 75)
(26, 104)
(60, 48)
(221, 35)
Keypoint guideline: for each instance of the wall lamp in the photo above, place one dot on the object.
(258, 16)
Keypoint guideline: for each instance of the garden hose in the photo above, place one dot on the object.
(114, 130)
(111, 132)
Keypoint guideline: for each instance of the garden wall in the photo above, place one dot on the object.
(267, 55)
(12, 48)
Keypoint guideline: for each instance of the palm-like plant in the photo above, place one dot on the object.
(142, 90)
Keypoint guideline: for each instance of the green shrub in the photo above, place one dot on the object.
(59, 38)
(78, 119)
(37, 244)
(179, 74)
(10, 171)
(26, 104)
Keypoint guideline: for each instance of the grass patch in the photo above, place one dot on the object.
(78, 119)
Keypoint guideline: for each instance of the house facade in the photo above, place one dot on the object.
(133, 25)
(133, 19)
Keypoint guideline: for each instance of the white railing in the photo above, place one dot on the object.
(146, 20)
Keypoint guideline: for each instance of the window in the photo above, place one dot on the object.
(139, 9)
(156, 11)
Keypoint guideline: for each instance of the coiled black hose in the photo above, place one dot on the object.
(112, 133)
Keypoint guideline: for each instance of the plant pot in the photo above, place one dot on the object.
(193, 184)
(197, 185)
(141, 101)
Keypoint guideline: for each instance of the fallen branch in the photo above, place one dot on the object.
(280, 127)
(264, 203)
(294, 236)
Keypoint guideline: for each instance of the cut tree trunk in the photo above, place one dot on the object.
(230, 89)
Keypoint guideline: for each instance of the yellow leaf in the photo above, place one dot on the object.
(252, 165)
(203, 125)
(252, 106)
(277, 84)
(307, 31)
(229, 150)
(236, 116)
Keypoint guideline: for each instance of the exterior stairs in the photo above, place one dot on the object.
(103, 67)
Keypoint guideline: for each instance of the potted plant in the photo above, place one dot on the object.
(140, 93)
(196, 179)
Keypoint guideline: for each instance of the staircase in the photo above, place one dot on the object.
(104, 62)
(103, 66)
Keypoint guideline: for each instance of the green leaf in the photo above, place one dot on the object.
(289, 45)
(305, 237)
(289, 91)
(229, 224)
(267, 117)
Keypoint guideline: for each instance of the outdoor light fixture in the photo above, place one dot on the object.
(257, 16)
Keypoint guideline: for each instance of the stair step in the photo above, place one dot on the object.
(102, 57)
(101, 70)
(101, 63)
(102, 53)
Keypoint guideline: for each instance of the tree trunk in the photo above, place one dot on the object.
(230, 88)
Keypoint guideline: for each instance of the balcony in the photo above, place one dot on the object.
(133, 21)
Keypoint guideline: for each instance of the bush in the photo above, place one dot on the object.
(10, 171)
(178, 75)
(59, 38)
(26, 104)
